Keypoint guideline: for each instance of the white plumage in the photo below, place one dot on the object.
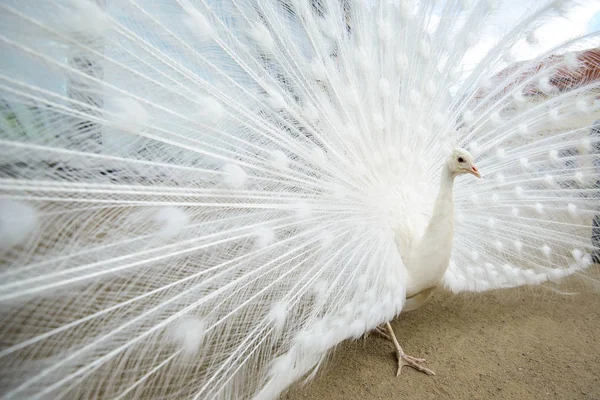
(200, 199)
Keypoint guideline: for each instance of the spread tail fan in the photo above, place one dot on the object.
(199, 199)
(538, 141)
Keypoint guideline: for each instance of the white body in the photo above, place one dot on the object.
(427, 262)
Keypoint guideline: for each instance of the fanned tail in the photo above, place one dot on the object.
(177, 216)
(535, 216)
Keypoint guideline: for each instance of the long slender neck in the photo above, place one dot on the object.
(444, 204)
(430, 257)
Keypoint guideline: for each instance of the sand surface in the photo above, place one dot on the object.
(525, 344)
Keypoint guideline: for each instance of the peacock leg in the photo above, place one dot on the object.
(403, 359)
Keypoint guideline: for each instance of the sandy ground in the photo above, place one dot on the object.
(525, 344)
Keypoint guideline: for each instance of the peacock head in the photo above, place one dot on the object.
(461, 162)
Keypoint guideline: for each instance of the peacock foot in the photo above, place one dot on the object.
(410, 361)
(381, 332)
(403, 359)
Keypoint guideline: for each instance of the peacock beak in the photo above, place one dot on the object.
(474, 171)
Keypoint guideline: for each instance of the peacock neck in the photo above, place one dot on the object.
(431, 256)
(444, 203)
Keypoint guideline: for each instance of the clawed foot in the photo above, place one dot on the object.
(403, 359)
(410, 361)
(381, 332)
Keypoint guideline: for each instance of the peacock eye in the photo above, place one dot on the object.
(460, 159)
